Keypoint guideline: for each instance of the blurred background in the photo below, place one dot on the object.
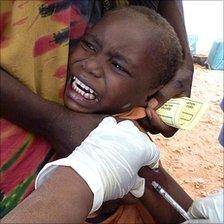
(204, 24)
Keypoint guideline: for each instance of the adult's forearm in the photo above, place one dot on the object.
(21, 106)
(161, 211)
(172, 11)
(54, 202)
(63, 128)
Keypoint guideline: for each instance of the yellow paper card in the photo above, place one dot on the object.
(183, 113)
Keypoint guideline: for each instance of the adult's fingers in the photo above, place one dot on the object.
(139, 187)
(172, 89)
(158, 126)
(180, 85)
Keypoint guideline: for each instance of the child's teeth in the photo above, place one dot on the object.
(74, 85)
(76, 82)
(89, 96)
(86, 95)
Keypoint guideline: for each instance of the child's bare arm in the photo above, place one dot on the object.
(157, 207)
(161, 211)
(63, 128)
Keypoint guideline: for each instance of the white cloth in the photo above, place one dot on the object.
(210, 208)
(109, 160)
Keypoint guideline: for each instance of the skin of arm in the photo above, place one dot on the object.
(161, 210)
(48, 119)
(63, 198)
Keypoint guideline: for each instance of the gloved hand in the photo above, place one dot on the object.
(109, 160)
(210, 208)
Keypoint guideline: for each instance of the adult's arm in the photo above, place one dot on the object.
(180, 85)
(172, 11)
(63, 128)
(56, 200)
(63, 198)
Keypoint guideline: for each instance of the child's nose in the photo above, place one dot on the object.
(93, 67)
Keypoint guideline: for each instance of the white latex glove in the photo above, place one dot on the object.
(109, 160)
(210, 208)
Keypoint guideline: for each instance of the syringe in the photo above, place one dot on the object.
(170, 200)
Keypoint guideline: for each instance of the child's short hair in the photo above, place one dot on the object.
(167, 50)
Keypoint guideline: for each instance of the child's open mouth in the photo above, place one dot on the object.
(83, 89)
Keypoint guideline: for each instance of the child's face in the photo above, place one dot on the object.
(109, 70)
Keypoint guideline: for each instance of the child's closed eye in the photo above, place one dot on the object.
(86, 45)
(116, 65)
(120, 68)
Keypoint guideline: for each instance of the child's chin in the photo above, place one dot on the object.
(75, 107)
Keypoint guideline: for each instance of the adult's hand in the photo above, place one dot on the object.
(109, 160)
(209, 208)
(179, 86)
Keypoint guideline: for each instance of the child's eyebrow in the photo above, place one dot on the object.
(119, 56)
